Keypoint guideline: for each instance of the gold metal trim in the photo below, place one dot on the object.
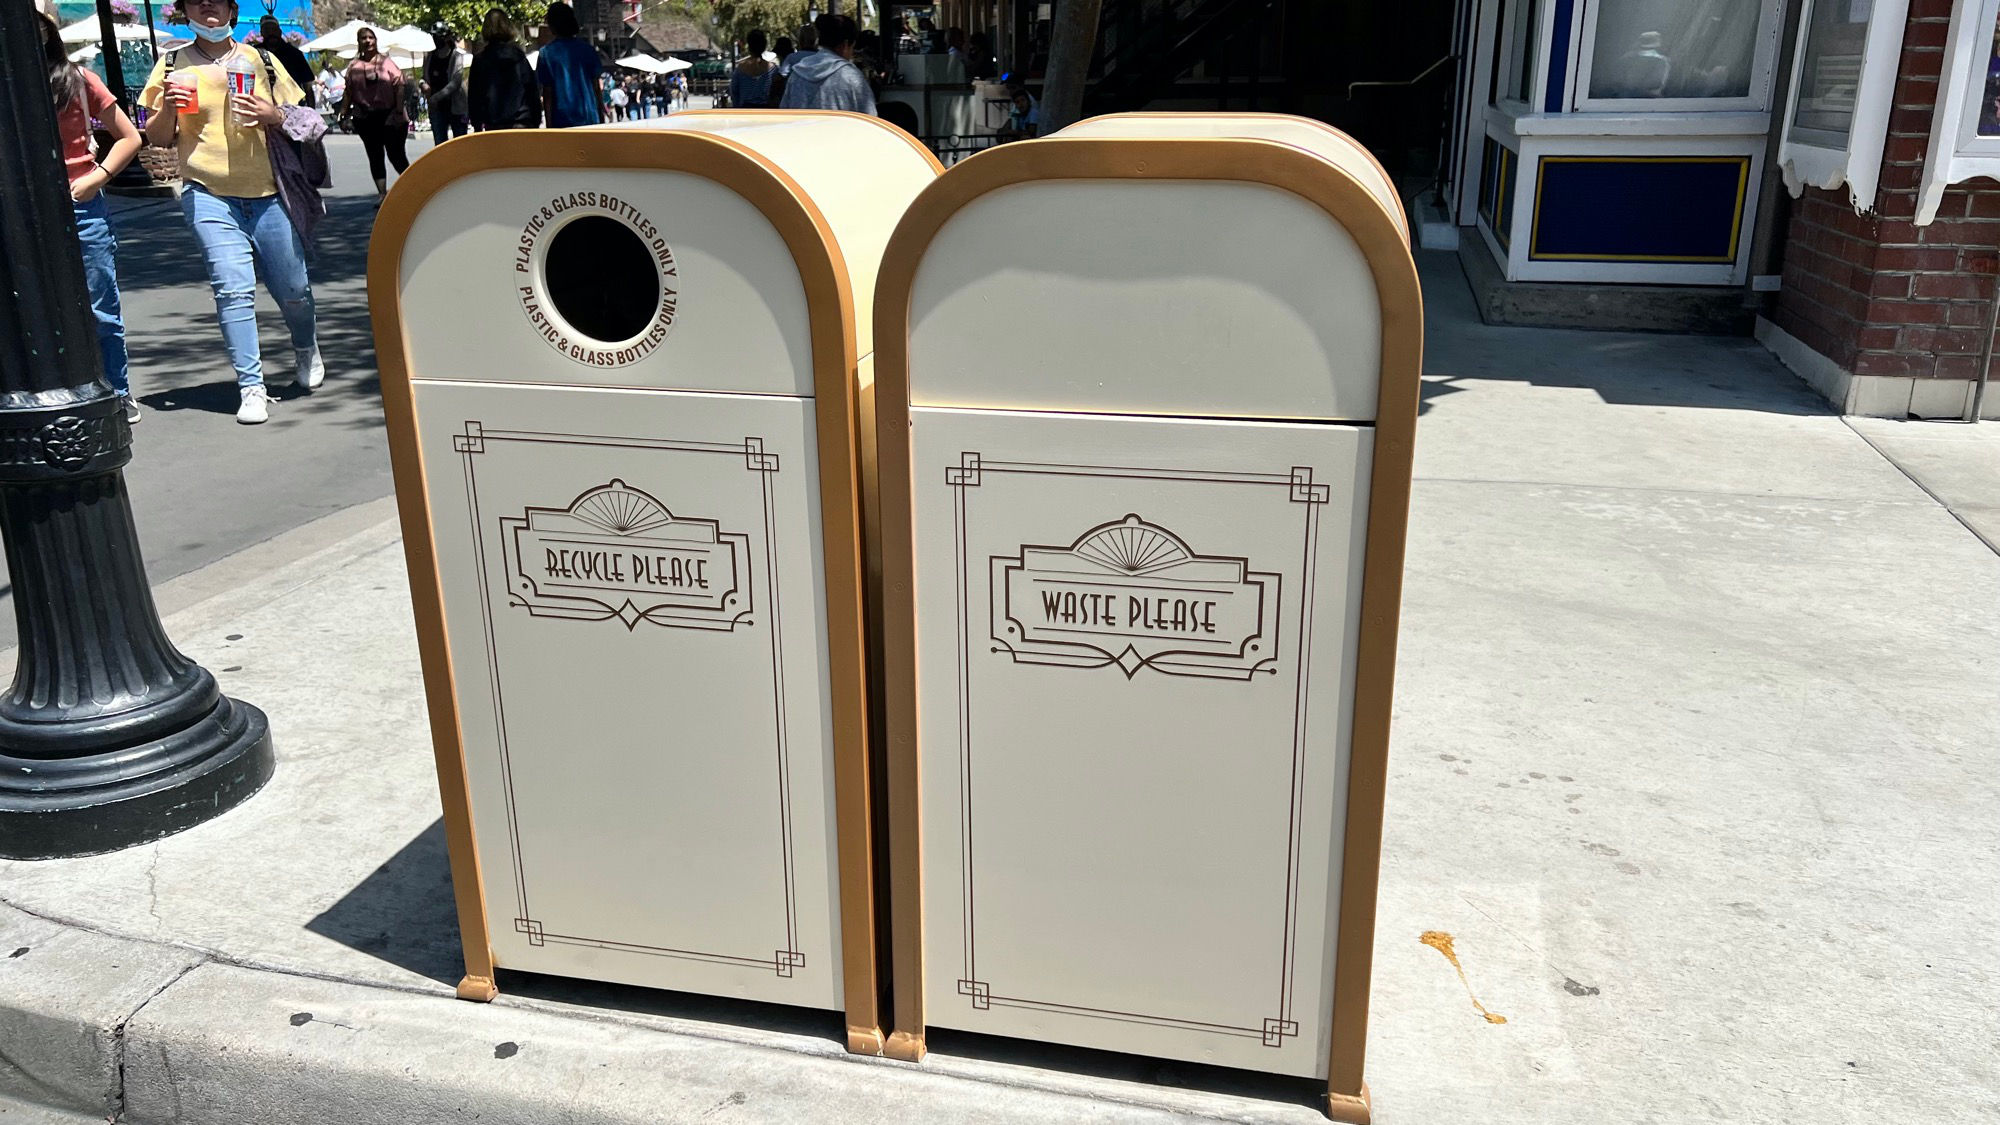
(930, 157)
(1348, 203)
(830, 306)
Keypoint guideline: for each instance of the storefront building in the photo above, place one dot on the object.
(1888, 297)
(1615, 140)
(1818, 171)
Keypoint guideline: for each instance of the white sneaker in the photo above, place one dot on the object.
(256, 407)
(311, 371)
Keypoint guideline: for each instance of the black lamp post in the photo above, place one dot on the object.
(114, 54)
(109, 736)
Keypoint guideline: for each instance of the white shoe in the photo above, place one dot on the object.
(256, 408)
(311, 371)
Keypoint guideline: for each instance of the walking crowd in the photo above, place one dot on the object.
(246, 121)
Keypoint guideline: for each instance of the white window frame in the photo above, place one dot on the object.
(1477, 72)
(1535, 61)
(1806, 156)
(1957, 151)
(1769, 26)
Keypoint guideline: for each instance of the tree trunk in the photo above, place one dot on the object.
(1071, 42)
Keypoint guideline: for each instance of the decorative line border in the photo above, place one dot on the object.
(474, 441)
(970, 473)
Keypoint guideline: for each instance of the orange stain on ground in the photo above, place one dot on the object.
(1441, 941)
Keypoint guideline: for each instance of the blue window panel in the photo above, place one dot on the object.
(1639, 209)
(1558, 55)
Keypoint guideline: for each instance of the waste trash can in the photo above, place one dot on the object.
(1146, 393)
(620, 369)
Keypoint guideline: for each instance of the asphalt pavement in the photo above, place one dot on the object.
(203, 487)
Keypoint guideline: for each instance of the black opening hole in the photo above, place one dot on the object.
(602, 279)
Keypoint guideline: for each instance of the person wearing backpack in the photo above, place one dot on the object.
(503, 91)
(229, 192)
(80, 96)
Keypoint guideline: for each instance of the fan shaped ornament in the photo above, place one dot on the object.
(619, 509)
(1133, 546)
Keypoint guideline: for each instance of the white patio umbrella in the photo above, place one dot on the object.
(670, 64)
(341, 38)
(85, 54)
(408, 39)
(640, 61)
(533, 56)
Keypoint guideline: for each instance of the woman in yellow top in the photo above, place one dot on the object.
(228, 193)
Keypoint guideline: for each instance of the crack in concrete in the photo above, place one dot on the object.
(117, 1098)
(153, 888)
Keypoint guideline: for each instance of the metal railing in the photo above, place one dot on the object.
(951, 149)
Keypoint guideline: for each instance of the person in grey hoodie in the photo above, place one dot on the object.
(828, 78)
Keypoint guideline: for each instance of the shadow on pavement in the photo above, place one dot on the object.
(403, 912)
(782, 1019)
(1620, 368)
(1126, 1068)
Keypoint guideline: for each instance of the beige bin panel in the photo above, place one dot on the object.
(1128, 832)
(651, 796)
(1313, 136)
(636, 566)
(1256, 304)
(862, 209)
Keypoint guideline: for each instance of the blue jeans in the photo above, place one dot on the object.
(100, 269)
(237, 236)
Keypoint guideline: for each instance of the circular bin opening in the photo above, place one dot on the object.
(601, 279)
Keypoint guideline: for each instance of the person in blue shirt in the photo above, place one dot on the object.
(567, 71)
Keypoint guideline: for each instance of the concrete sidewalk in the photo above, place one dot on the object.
(1694, 756)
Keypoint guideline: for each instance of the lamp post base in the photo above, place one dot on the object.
(109, 735)
(197, 774)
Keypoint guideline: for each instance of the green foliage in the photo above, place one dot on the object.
(462, 16)
(737, 18)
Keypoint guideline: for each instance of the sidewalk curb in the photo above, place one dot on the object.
(66, 996)
(172, 1035)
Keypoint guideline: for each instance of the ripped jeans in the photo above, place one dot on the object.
(237, 235)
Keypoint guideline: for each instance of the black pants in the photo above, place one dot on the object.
(380, 137)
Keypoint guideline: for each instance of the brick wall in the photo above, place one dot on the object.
(1875, 293)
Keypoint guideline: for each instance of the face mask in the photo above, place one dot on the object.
(213, 34)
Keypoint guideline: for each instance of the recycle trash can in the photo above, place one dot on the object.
(621, 373)
(1146, 393)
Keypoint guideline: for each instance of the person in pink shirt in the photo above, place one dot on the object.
(79, 96)
(375, 106)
